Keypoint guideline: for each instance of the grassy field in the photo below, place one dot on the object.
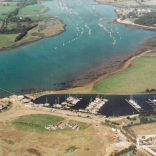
(17, 141)
(31, 9)
(7, 9)
(37, 122)
(2, 17)
(136, 79)
(4, 10)
(7, 40)
(144, 129)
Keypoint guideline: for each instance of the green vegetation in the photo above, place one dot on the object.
(31, 9)
(136, 79)
(13, 21)
(71, 149)
(7, 39)
(40, 18)
(6, 9)
(2, 17)
(148, 19)
(37, 121)
(147, 117)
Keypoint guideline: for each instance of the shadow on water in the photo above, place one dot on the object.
(116, 105)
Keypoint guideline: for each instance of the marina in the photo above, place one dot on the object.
(97, 104)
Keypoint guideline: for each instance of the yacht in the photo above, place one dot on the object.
(134, 104)
(152, 101)
(46, 104)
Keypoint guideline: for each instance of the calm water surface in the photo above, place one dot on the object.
(91, 39)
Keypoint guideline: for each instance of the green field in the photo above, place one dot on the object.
(151, 118)
(7, 9)
(136, 79)
(7, 40)
(31, 9)
(2, 17)
(37, 121)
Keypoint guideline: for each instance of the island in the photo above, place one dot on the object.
(23, 22)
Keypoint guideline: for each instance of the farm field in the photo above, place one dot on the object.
(31, 9)
(137, 78)
(5, 9)
(7, 39)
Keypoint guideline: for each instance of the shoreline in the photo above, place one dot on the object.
(125, 22)
(130, 24)
(88, 88)
(30, 41)
(126, 64)
(105, 2)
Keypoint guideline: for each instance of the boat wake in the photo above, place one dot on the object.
(106, 28)
(88, 29)
(71, 11)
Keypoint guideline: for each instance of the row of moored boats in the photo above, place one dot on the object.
(93, 107)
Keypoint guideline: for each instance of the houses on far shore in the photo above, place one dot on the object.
(133, 12)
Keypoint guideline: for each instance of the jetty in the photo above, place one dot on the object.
(68, 103)
(95, 105)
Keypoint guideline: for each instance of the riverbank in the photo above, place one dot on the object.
(55, 28)
(121, 3)
(131, 24)
(135, 77)
(124, 3)
(123, 15)
(89, 88)
(27, 24)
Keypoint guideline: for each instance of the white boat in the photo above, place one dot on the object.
(152, 101)
(71, 101)
(134, 104)
(57, 106)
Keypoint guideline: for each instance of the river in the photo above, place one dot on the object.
(91, 39)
